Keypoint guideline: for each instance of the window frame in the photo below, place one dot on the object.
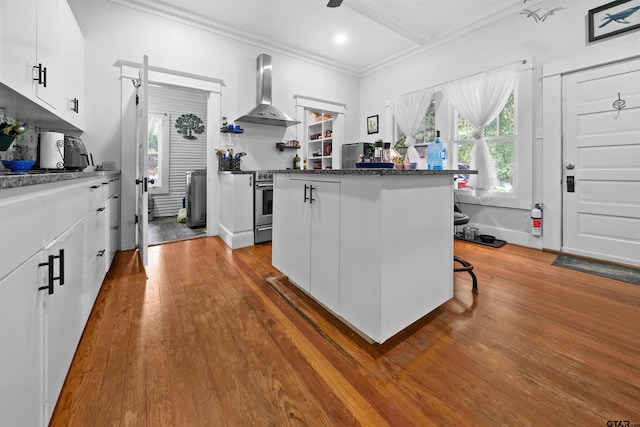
(523, 147)
(512, 138)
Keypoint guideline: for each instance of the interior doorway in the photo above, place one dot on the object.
(177, 133)
(601, 162)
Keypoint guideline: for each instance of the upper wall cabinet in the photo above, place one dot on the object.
(43, 59)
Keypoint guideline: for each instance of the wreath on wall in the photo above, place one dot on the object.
(188, 124)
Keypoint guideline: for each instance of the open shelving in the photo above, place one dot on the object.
(319, 140)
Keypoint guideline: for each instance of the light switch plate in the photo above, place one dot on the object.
(538, 133)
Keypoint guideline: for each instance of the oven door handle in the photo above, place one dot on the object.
(264, 185)
(265, 228)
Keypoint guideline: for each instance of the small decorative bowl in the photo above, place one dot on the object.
(18, 166)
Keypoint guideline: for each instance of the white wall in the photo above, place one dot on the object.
(116, 32)
(113, 32)
(561, 36)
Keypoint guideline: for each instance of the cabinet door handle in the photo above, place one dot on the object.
(49, 286)
(95, 186)
(101, 253)
(51, 278)
(75, 108)
(311, 199)
(42, 75)
(305, 193)
(60, 256)
(101, 209)
(250, 180)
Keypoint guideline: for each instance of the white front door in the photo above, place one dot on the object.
(601, 162)
(142, 170)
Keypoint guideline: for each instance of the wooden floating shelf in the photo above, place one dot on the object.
(281, 146)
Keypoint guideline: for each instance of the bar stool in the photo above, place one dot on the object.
(460, 218)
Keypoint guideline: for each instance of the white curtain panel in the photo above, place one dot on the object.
(479, 99)
(409, 110)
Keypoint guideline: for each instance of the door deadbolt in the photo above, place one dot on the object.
(570, 166)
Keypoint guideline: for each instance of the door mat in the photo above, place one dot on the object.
(604, 269)
(495, 244)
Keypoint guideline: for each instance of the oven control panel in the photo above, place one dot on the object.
(264, 176)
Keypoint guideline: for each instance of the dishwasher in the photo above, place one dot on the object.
(197, 198)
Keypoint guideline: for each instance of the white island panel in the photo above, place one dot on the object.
(394, 238)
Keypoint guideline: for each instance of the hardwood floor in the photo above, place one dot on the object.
(206, 341)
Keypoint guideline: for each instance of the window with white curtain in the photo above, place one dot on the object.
(509, 139)
(426, 131)
(158, 154)
(500, 138)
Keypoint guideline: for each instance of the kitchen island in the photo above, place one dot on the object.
(373, 246)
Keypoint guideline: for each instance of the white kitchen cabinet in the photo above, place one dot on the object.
(375, 248)
(22, 345)
(72, 86)
(43, 56)
(314, 238)
(39, 332)
(236, 209)
(63, 311)
(113, 223)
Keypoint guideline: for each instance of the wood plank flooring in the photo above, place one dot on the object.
(206, 341)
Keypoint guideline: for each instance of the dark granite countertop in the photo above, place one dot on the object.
(235, 172)
(376, 171)
(12, 180)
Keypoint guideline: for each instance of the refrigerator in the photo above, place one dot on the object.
(197, 198)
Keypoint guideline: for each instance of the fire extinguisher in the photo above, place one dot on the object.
(536, 220)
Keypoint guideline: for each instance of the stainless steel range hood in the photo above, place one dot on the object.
(265, 113)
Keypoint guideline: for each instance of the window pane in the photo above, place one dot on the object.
(507, 117)
(462, 128)
(491, 129)
(464, 154)
(426, 130)
(155, 133)
(502, 154)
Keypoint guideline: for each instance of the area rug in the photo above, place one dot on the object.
(611, 271)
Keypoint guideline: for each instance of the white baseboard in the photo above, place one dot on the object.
(236, 240)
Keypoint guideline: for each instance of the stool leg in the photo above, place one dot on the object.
(469, 269)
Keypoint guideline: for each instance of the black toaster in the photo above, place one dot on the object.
(75, 153)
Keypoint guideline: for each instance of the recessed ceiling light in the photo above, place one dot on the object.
(340, 39)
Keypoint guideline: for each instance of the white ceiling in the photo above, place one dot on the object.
(377, 31)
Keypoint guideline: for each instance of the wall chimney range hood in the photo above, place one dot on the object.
(265, 113)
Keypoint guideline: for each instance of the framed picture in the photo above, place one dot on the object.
(372, 124)
(613, 18)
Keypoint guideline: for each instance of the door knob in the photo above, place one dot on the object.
(570, 166)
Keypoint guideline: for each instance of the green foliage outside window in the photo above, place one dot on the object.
(153, 150)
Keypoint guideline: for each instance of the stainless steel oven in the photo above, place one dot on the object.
(263, 206)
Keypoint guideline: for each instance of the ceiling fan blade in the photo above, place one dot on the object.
(334, 3)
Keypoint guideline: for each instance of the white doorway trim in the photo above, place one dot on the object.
(551, 168)
(164, 76)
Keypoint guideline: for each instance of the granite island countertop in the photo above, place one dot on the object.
(36, 177)
(376, 171)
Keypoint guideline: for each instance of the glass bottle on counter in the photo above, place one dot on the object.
(296, 162)
(377, 153)
(434, 154)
